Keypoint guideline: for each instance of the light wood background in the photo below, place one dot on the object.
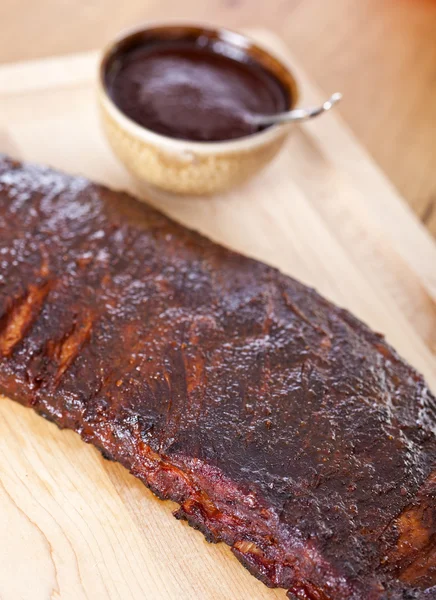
(380, 53)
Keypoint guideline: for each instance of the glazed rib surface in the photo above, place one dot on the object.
(280, 423)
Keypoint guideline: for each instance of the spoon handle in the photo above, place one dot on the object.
(297, 115)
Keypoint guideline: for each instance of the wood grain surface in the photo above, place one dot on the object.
(77, 527)
(381, 55)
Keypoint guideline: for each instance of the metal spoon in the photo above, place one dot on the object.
(297, 115)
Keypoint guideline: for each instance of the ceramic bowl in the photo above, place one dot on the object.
(188, 167)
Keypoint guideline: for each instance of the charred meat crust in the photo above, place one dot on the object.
(281, 424)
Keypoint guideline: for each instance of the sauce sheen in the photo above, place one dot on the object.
(185, 91)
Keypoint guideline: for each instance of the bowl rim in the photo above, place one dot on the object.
(179, 145)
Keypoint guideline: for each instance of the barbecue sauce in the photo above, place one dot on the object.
(195, 91)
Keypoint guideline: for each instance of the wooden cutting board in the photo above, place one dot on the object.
(74, 526)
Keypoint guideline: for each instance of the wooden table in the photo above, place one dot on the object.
(381, 55)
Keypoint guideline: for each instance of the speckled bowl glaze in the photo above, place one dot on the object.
(180, 166)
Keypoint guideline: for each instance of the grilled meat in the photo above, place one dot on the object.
(280, 423)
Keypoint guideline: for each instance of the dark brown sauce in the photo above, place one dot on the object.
(188, 91)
